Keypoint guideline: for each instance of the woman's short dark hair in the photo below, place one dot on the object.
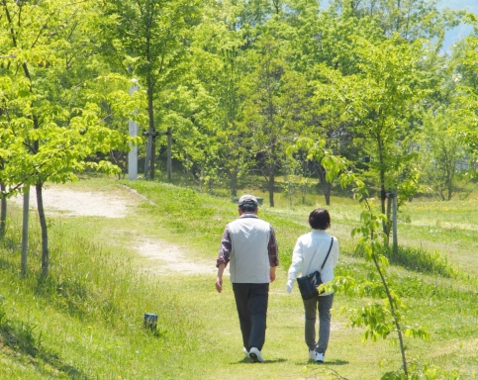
(319, 219)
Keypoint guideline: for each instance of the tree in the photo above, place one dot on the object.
(327, 38)
(458, 152)
(379, 100)
(196, 144)
(219, 59)
(53, 125)
(273, 104)
(150, 39)
(444, 157)
(380, 319)
(410, 19)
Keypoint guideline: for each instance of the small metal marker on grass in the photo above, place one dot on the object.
(150, 321)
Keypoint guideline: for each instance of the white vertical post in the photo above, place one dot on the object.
(133, 132)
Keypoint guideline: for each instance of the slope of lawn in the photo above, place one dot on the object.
(86, 320)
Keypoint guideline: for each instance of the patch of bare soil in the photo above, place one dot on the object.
(168, 259)
(79, 203)
(165, 258)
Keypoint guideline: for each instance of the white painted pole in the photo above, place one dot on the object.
(133, 132)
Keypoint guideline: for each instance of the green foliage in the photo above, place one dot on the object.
(148, 40)
(411, 19)
(358, 92)
(53, 125)
(50, 129)
(420, 371)
(379, 319)
(378, 100)
(444, 159)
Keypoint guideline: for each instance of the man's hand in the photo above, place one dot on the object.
(220, 271)
(219, 284)
(272, 274)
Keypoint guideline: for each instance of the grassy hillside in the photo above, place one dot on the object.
(85, 321)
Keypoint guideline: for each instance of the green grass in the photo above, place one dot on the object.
(86, 320)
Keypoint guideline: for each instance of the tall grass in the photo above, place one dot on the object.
(85, 320)
(418, 260)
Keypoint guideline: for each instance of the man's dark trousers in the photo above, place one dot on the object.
(251, 303)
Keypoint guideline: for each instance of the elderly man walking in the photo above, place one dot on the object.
(249, 244)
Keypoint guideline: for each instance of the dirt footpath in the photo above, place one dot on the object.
(164, 258)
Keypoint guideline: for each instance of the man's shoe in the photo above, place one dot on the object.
(319, 357)
(245, 351)
(256, 355)
(312, 354)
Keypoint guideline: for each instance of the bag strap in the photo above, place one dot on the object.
(328, 253)
(326, 257)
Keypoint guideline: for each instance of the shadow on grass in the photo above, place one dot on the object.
(10, 244)
(327, 363)
(20, 338)
(247, 360)
(335, 362)
(6, 264)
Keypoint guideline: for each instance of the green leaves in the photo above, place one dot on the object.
(379, 319)
(53, 114)
(375, 318)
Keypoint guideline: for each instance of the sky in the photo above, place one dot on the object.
(455, 34)
(462, 30)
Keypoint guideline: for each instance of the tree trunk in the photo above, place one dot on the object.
(151, 131)
(303, 191)
(325, 186)
(395, 222)
(201, 180)
(3, 211)
(327, 193)
(394, 315)
(3, 215)
(389, 216)
(45, 255)
(233, 182)
(270, 185)
(26, 214)
(383, 192)
(170, 154)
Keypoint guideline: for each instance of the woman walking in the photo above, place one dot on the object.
(316, 251)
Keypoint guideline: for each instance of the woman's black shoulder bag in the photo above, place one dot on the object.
(308, 284)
